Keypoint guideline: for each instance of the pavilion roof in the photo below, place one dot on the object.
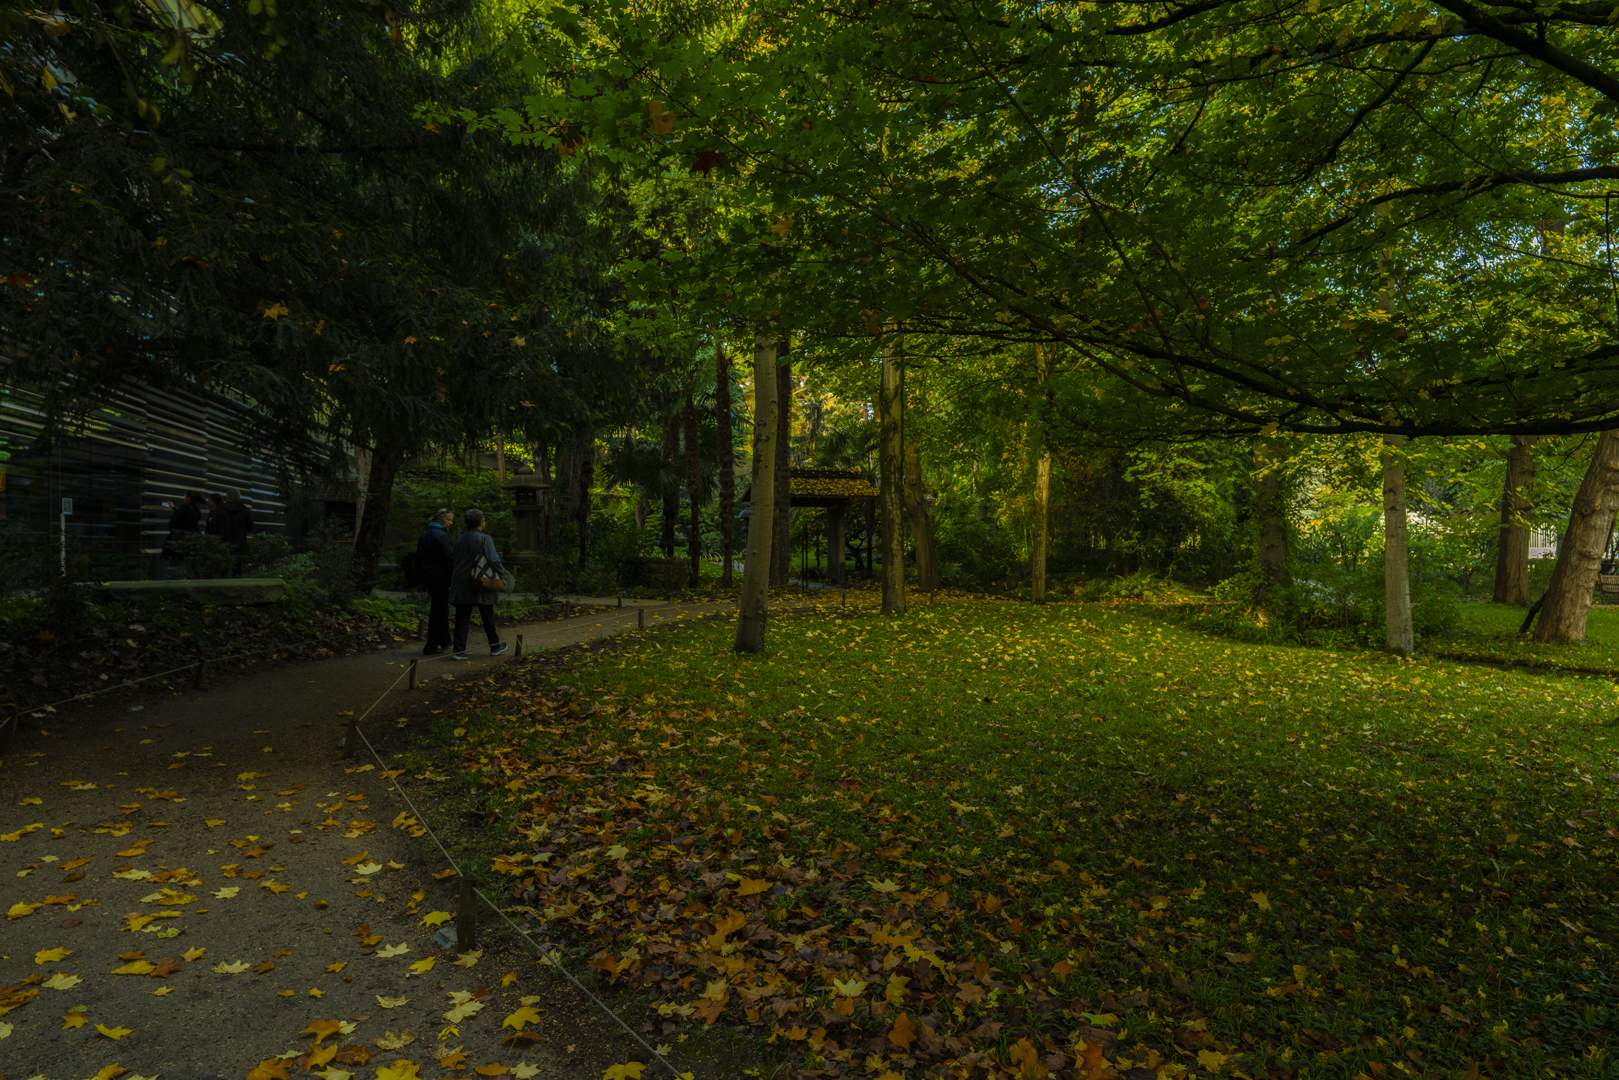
(824, 487)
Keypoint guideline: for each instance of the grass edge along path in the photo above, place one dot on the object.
(989, 839)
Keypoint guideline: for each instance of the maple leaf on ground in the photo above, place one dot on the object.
(390, 1041)
(318, 1056)
(1092, 1065)
(904, 1033)
(333, 969)
(508, 978)
(630, 1070)
(520, 1018)
(51, 956)
(393, 950)
(322, 1028)
(469, 959)
(113, 1033)
(135, 967)
(269, 1069)
(391, 1003)
(111, 1072)
(752, 886)
(265, 968)
(454, 1059)
(436, 918)
(399, 1070)
(420, 967)
(59, 981)
(191, 955)
(494, 1068)
(233, 968)
(73, 1020)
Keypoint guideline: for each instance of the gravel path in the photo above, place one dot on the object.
(191, 886)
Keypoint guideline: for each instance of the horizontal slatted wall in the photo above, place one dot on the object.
(143, 447)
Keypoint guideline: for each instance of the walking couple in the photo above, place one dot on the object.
(455, 573)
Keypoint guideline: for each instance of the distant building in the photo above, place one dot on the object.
(117, 466)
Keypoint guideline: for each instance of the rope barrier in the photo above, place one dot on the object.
(480, 894)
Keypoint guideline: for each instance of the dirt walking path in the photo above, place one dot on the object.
(194, 887)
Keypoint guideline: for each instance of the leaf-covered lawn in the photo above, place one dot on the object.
(994, 839)
(1489, 632)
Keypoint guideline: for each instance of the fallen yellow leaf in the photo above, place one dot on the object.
(113, 1033)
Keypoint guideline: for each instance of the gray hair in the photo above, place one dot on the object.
(232, 494)
(474, 518)
(443, 511)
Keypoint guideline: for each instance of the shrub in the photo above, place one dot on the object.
(205, 556)
(974, 553)
(264, 551)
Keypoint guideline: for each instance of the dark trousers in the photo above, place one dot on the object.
(463, 624)
(438, 617)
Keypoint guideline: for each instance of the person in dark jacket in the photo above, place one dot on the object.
(216, 516)
(237, 524)
(475, 556)
(435, 560)
(185, 520)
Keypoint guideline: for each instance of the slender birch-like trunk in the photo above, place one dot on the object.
(727, 460)
(891, 482)
(1396, 549)
(751, 617)
(1042, 487)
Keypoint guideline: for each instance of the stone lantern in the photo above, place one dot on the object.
(525, 487)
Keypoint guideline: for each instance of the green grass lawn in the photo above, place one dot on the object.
(1490, 632)
(993, 839)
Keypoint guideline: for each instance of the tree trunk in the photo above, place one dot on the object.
(371, 531)
(782, 554)
(1512, 551)
(1396, 550)
(927, 560)
(753, 608)
(727, 461)
(694, 493)
(669, 482)
(1579, 556)
(1042, 488)
(500, 455)
(891, 481)
(587, 476)
(542, 466)
(1270, 505)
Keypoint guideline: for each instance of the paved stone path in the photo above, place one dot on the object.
(198, 871)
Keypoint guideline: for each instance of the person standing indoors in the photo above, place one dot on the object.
(477, 565)
(435, 563)
(238, 522)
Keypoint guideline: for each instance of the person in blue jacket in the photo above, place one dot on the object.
(435, 560)
(475, 556)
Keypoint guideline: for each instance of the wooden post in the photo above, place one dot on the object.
(202, 666)
(413, 673)
(621, 601)
(565, 609)
(640, 618)
(519, 652)
(349, 734)
(466, 916)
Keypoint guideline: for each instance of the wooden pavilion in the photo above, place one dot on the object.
(834, 490)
